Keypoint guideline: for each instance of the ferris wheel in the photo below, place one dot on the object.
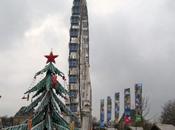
(79, 77)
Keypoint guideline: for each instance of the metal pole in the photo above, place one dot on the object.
(136, 125)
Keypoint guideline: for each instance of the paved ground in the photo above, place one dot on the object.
(111, 129)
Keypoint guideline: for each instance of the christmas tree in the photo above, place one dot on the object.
(48, 108)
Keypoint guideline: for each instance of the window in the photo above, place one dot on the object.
(76, 10)
(72, 63)
(76, 2)
(72, 79)
(73, 108)
(85, 24)
(73, 94)
(85, 32)
(85, 39)
(74, 32)
(83, 94)
(73, 47)
(75, 20)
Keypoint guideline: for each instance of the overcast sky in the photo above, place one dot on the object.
(130, 41)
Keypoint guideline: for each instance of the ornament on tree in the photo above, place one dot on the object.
(29, 123)
(65, 97)
(28, 96)
(64, 78)
(54, 80)
(24, 97)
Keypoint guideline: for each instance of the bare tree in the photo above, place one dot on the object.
(145, 106)
(168, 113)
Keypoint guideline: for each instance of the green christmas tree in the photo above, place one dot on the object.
(48, 108)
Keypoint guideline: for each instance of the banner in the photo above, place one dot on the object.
(109, 110)
(127, 106)
(117, 107)
(102, 113)
(138, 102)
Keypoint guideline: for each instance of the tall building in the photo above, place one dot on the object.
(79, 77)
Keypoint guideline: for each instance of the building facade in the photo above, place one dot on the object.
(79, 78)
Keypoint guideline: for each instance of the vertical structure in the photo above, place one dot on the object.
(79, 77)
(102, 113)
(109, 110)
(117, 107)
(138, 102)
(127, 106)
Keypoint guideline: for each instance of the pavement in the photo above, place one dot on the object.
(111, 129)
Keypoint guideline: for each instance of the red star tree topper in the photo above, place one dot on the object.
(51, 57)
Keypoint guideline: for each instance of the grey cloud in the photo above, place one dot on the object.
(14, 21)
(18, 16)
(136, 44)
(133, 44)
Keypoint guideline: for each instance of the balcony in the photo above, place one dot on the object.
(74, 100)
(73, 55)
(73, 71)
(74, 40)
(73, 87)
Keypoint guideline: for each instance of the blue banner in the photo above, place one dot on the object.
(117, 107)
(127, 106)
(109, 110)
(102, 114)
(138, 101)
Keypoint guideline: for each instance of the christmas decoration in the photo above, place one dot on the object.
(54, 80)
(30, 123)
(127, 120)
(24, 97)
(48, 108)
(51, 57)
